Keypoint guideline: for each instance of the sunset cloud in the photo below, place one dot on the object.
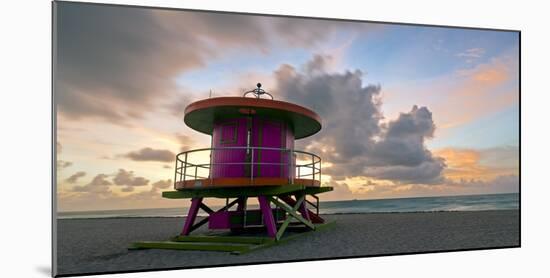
(355, 189)
(63, 164)
(126, 80)
(465, 94)
(492, 85)
(472, 54)
(135, 54)
(149, 154)
(185, 141)
(492, 73)
(128, 180)
(482, 165)
(99, 185)
(499, 184)
(358, 143)
(162, 184)
(124, 177)
(74, 177)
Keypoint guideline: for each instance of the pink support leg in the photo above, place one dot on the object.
(269, 222)
(303, 209)
(191, 215)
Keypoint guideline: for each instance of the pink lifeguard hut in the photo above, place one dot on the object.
(252, 155)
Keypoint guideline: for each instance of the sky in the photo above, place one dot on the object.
(407, 111)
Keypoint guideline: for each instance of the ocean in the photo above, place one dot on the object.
(419, 204)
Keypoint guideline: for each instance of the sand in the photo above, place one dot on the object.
(100, 245)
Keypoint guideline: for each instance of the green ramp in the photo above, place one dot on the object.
(223, 243)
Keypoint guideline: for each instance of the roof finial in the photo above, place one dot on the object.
(258, 92)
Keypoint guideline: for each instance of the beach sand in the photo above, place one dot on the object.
(100, 245)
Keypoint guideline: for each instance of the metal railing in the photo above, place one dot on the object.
(199, 164)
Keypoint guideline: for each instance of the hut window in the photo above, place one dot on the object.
(228, 133)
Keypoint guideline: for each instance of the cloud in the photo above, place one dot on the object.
(162, 184)
(115, 63)
(97, 194)
(301, 32)
(501, 157)
(401, 153)
(479, 164)
(351, 189)
(149, 154)
(402, 141)
(177, 107)
(127, 189)
(427, 172)
(100, 180)
(185, 141)
(151, 195)
(127, 178)
(500, 184)
(98, 185)
(74, 178)
(118, 63)
(472, 53)
(63, 164)
(354, 139)
(494, 86)
(482, 89)
(494, 73)
(341, 191)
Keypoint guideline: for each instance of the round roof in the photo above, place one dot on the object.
(202, 114)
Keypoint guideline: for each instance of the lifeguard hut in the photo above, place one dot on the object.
(251, 155)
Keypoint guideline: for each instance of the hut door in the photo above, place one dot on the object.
(229, 139)
(270, 135)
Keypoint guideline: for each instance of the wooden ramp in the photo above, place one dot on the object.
(223, 243)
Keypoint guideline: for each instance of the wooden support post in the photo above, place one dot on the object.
(191, 215)
(202, 222)
(292, 211)
(206, 208)
(269, 222)
(315, 218)
(241, 203)
(283, 227)
(241, 207)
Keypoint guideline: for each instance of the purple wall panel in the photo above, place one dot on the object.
(220, 220)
